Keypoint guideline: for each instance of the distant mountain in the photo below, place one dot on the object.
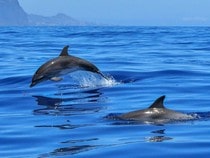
(57, 20)
(11, 14)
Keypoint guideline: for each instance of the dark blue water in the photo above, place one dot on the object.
(67, 118)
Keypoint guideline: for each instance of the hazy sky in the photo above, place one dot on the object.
(126, 12)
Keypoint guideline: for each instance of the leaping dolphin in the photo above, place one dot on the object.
(63, 64)
(157, 114)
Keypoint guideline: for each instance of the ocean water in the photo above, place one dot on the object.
(68, 118)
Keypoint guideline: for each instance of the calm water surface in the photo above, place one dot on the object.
(67, 118)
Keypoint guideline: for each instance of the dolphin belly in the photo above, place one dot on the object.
(70, 70)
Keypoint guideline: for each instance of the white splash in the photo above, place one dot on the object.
(91, 80)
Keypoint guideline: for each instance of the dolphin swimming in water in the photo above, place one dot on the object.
(157, 114)
(63, 64)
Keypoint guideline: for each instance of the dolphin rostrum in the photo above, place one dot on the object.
(157, 114)
(63, 64)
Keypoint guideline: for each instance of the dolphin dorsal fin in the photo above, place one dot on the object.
(158, 103)
(64, 52)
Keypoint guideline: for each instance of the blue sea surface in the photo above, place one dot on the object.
(68, 118)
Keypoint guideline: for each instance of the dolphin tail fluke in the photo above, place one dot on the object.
(103, 75)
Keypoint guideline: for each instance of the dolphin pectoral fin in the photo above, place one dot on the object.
(56, 79)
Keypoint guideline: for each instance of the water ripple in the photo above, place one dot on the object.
(67, 117)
